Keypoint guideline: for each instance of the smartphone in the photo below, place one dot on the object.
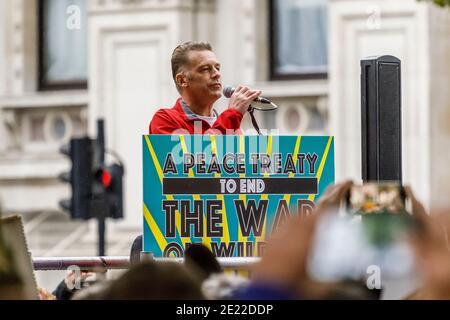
(382, 207)
(373, 232)
(377, 198)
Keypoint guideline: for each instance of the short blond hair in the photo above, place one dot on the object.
(180, 56)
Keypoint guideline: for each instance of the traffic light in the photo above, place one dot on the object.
(112, 177)
(95, 190)
(80, 151)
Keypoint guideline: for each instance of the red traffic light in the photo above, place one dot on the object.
(106, 178)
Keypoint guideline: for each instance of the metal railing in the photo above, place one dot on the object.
(122, 262)
(84, 263)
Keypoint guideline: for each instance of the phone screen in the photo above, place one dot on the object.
(377, 198)
(346, 247)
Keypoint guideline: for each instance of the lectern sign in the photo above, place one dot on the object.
(228, 192)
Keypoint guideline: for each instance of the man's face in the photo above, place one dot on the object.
(203, 78)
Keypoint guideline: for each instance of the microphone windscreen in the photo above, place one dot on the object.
(228, 91)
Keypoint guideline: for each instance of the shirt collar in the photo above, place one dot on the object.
(190, 114)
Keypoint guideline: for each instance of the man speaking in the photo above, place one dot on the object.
(196, 72)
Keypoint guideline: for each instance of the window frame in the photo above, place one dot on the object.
(273, 43)
(43, 83)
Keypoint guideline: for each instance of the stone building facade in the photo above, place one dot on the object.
(129, 43)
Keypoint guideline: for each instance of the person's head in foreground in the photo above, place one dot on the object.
(155, 280)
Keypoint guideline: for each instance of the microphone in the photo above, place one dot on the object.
(229, 90)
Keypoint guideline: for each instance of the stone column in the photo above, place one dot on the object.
(439, 105)
(3, 26)
(18, 56)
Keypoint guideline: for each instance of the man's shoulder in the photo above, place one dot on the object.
(167, 119)
(165, 112)
(165, 115)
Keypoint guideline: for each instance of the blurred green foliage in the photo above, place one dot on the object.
(442, 3)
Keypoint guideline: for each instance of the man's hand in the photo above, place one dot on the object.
(242, 97)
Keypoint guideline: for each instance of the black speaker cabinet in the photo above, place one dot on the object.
(381, 130)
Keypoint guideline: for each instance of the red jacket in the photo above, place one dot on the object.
(166, 121)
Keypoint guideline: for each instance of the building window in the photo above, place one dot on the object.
(62, 44)
(298, 33)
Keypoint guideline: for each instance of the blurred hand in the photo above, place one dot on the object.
(418, 210)
(71, 279)
(242, 97)
(45, 295)
(286, 253)
(431, 247)
(334, 196)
